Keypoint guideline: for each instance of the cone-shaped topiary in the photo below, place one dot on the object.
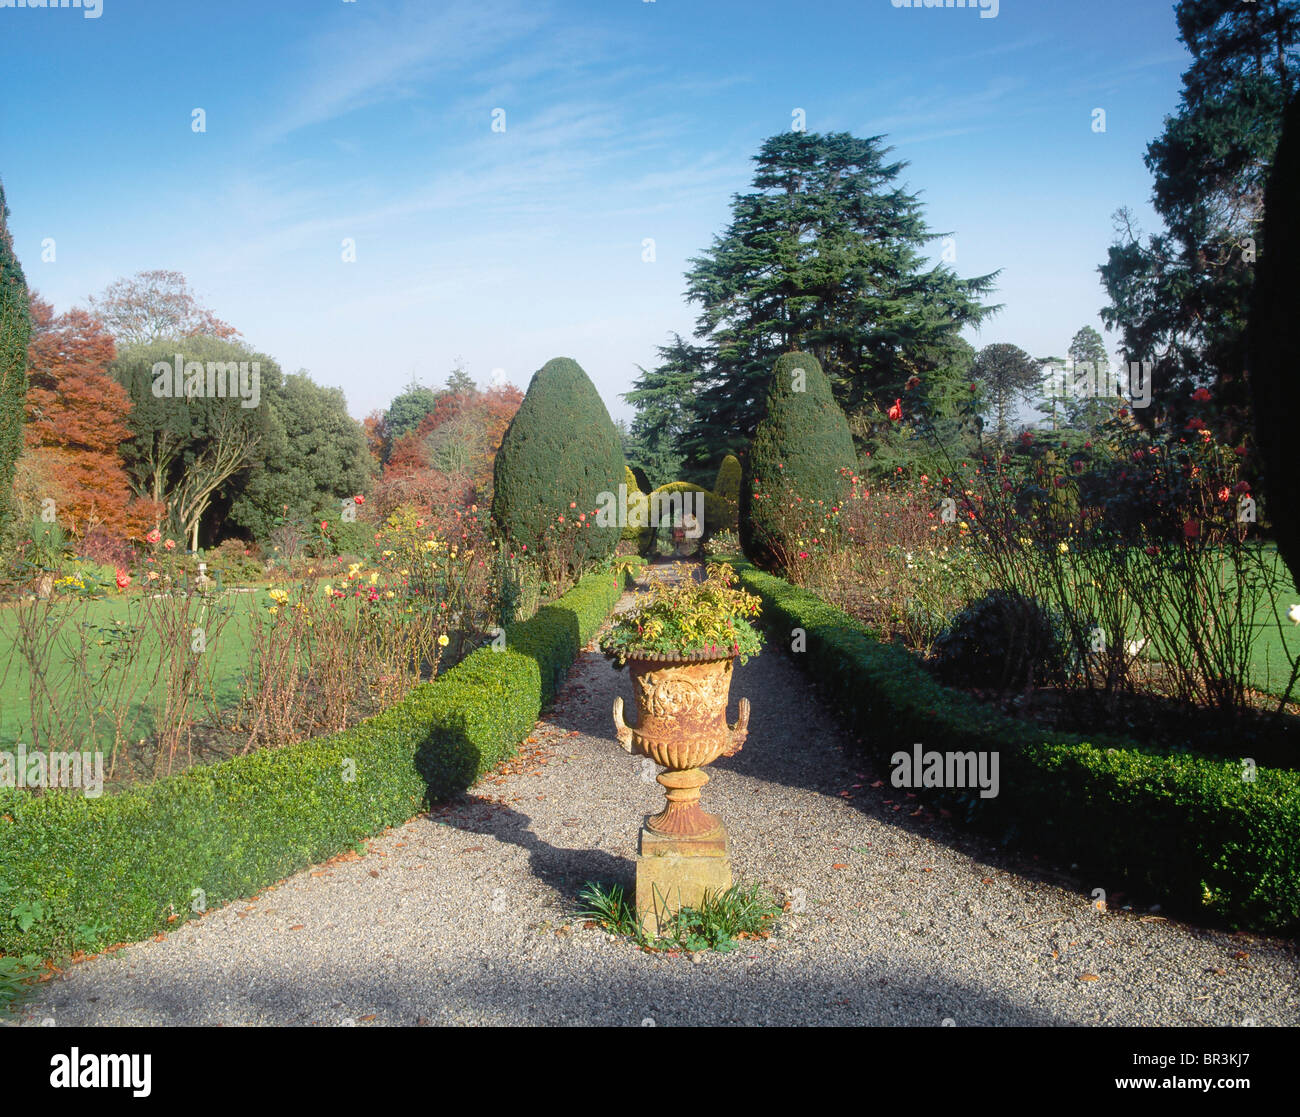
(15, 330)
(638, 511)
(1275, 391)
(727, 487)
(560, 456)
(665, 506)
(799, 447)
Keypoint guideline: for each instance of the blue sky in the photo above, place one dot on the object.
(624, 120)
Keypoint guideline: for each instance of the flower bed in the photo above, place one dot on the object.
(83, 872)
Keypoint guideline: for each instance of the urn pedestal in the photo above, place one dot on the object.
(682, 726)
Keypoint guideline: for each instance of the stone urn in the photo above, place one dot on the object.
(681, 725)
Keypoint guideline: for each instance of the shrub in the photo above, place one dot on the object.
(129, 864)
(15, 329)
(1003, 640)
(560, 452)
(1183, 827)
(638, 511)
(237, 560)
(727, 487)
(1275, 394)
(642, 480)
(102, 547)
(801, 444)
(716, 513)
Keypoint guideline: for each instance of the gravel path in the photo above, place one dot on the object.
(466, 915)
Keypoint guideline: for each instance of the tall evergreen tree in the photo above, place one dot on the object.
(1086, 412)
(664, 398)
(15, 330)
(1274, 386)
(1008, 374)
(824, 257)
(1180, 298)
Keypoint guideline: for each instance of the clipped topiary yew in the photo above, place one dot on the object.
(1275, 392)
(799, 447)
(727, 487)
(15, 330)
(560, 453)
(637, 528)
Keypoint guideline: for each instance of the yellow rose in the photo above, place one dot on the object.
(443, 641)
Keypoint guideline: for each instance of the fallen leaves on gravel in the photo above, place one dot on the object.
(1089, 977)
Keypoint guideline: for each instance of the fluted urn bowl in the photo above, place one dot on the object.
(681, 703)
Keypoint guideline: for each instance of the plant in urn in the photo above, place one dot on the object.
(679, 646)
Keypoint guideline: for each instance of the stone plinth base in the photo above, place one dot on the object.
(673, 873)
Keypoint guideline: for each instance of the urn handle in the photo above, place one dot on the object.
(621, 729)
(739, 732)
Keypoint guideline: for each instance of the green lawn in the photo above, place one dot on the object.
(226, 656)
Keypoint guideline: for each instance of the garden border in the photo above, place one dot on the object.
(86, 873)
(1185, 828)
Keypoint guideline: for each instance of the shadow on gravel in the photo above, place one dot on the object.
(610, 986)
(565, 870)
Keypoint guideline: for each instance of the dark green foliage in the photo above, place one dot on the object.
(128, 861)
(642, 480)
(664, 398)
(1180, 296)
(1007, 374)
(178, 441)
(561, 448)
(1274, 385)
(799, 448)
(827, 255)
(313, 459)
(1002, 640)
(1174, 825)
(15, 331)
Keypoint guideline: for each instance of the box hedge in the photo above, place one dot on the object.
(1177, 825)
(117, 868)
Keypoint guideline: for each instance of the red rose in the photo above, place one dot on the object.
(1201, 395)
(896, 412)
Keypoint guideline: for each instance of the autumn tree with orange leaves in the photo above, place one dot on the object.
(76, 416)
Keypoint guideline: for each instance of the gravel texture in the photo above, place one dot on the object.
(467, 915)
